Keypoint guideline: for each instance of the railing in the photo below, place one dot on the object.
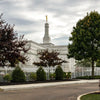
(5, 70)
(85, 72)
(77, 73)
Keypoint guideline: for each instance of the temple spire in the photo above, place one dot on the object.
(46, 38)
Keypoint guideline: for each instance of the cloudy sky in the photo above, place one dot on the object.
(29, 17)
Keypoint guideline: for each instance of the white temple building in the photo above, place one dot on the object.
(62, 49)
(36, 47)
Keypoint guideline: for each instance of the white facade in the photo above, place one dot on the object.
(36, 47)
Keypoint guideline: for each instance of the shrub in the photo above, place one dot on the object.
(18, 75)
(97, 77)
(89, 77)
(59, 74)
(64, 75)
(68, 76)
(83, 77)
(41, 75)
(52, 76)
(32, 76)
(7, 78)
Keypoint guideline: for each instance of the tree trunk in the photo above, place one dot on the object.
(92, 68)
(49, 73)
(48, 77)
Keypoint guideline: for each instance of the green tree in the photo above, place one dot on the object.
(86, 39)
(83, 63)
(18, 75)
(59, 73)
(98, 63)
(41, 75)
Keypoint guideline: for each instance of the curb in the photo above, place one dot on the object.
(38, 85)
(78, 98)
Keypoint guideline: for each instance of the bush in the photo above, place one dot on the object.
(83, 77)
(52, 76)
(64, 75)
(97, 77)
(18, 75)
(59, 74)
(7, 78)
(68, 76)
(32, 76)
(41, 75)
(89, 77)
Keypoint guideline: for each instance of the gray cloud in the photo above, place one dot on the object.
(20, 21)
(27, 15)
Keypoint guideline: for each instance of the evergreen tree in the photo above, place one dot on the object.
(41, 75)
(18, 75)
(86, 39)
(59, 73)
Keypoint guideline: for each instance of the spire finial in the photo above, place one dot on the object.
(46, 18)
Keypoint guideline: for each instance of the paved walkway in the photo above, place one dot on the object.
(25, 86)
(59, 92)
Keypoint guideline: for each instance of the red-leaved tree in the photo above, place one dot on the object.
(49, 59)
(12, 47)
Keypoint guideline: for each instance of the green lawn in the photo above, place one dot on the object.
(91, 97)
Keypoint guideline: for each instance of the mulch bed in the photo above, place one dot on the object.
(34, 82)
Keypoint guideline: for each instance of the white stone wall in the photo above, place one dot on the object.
(63, 50)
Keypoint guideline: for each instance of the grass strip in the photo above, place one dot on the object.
(91, 97)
